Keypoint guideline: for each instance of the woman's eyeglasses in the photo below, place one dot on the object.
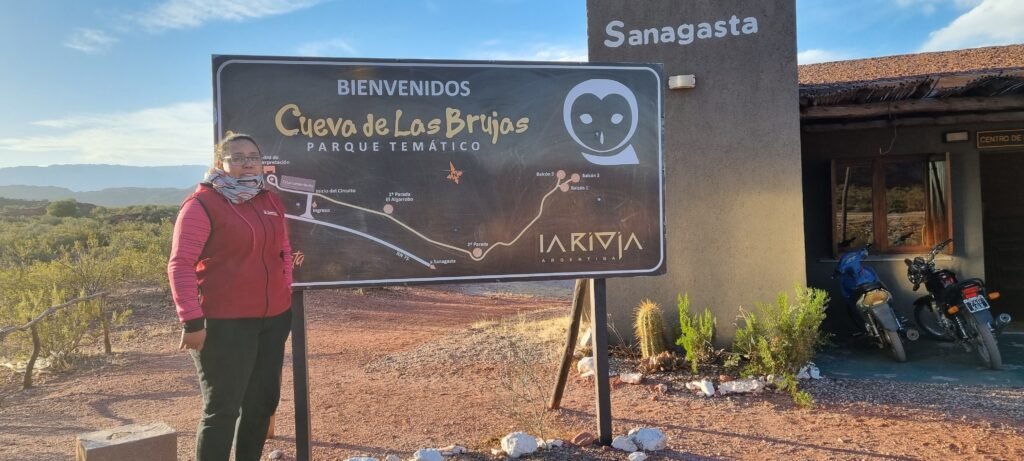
(244, 159)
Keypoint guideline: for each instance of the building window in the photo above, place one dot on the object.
(899, 204)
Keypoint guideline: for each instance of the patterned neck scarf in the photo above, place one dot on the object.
(236, 190)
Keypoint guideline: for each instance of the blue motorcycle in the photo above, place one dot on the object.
(871, 303)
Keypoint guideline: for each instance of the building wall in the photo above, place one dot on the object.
(820, 147)
(732, 156)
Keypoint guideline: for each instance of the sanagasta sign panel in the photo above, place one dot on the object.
(397, 172)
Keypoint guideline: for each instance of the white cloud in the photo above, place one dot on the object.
(536, 52)
(816, 55)
(335, 47)
(177, 134)
(90, 40)
(991, 22)
(182, 14)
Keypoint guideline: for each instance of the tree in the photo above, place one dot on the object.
(67, 208)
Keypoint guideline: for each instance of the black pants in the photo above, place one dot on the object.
(240, 377)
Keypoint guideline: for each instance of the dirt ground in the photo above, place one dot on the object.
(395, 370)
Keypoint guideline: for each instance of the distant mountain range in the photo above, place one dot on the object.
(113, 197)
(104, 185)
(83, 178)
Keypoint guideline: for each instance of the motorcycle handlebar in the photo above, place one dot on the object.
(938, 248)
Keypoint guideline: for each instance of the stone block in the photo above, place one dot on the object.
(134, 442)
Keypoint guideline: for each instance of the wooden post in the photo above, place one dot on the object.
(570, 344)
(106, 325)
(27, 382)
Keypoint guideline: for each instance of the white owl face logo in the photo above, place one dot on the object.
(601, 116)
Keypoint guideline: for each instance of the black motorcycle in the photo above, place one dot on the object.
(956, 310)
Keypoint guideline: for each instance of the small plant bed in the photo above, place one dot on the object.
(773, 348)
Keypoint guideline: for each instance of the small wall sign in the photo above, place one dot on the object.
(1000, 139)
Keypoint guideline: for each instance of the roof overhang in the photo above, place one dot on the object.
(936, 98)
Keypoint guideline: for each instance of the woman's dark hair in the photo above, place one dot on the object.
(221, 149)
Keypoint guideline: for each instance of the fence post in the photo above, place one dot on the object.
(27, 383)
(106, 325)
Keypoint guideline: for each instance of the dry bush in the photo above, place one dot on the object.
(527, 368)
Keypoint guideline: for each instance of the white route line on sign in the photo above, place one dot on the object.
(273, 180)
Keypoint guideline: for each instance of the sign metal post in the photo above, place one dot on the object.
(300, 377)
(599, 317)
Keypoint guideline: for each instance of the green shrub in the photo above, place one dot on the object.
(697, 333)
(60, 333)
(781, 338)
(63, 208)
(649, 327)
(46, 260)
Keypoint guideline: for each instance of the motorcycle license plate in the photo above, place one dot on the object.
(976, 304)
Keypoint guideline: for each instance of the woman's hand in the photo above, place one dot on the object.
(193, 340)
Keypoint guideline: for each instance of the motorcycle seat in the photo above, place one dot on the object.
(870, 286)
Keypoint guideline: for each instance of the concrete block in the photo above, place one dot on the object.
(151, 442)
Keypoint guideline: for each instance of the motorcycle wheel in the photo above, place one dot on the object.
(925, 320)
(985, 344)
(896, 345)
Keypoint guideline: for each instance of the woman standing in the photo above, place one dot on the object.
(230, 272)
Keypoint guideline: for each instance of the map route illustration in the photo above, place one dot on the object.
(561, 184)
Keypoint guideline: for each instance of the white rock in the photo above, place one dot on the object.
(452, 450)
(637, 456)
(552, 443)
(497, 451)
(586, 367)
(427, 454)
(361, 458)
(518, 444)
(649, 438)
(541, 444)
(809, 371)
(704, 386)
(276, 454)
(740, 386)
(392, 458)
(624, 443)
(631, 378)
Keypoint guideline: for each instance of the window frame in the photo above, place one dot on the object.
(879, 208)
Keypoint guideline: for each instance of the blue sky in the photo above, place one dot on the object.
(128, 82)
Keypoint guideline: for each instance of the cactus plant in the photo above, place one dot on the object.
(649, 326)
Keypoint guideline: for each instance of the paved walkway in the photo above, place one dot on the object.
(929, 361)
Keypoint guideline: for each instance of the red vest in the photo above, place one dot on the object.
(241, 269)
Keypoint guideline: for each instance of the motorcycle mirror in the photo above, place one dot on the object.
(907, 261)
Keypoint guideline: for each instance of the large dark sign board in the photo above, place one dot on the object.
(435, 172)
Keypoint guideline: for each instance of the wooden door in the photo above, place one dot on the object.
(1002, 195)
